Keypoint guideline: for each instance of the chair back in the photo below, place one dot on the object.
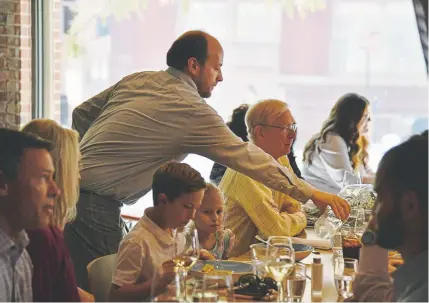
(100, 273)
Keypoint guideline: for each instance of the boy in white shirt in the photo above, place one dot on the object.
(178, 190)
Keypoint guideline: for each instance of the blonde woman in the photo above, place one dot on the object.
(53, 276)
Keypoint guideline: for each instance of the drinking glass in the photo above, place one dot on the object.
(220, 286)
(282, 241)
(362, 221)
(259, 257)
(350, 242)
(345, 270)
(186, 254)
(295, 282)
(280, 261)
(337, 245)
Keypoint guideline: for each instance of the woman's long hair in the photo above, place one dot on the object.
(66, 157)
(343, 120)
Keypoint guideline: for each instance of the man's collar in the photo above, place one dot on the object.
(21, 241)
(182, 76)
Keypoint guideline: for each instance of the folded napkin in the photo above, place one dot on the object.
(319, 243)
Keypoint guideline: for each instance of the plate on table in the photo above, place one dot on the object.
(302, 251)
(213, 267)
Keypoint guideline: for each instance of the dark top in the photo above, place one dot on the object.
(53, 275)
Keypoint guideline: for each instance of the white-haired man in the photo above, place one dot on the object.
(252, 208)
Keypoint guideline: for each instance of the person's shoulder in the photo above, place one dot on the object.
(228, 233)
(334, 140)
(140, 235)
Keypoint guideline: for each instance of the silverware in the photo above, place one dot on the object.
(260, 239)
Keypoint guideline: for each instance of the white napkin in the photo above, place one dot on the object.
(320, 244)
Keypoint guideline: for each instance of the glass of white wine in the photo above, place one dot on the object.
(187, 252)
(345, 270)
(280, 261)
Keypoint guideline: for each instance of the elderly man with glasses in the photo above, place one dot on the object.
(251, 207)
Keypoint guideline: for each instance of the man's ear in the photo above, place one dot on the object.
(162, 199)
(258, 131)
(3, 185)
(194, 66)
(410, 205)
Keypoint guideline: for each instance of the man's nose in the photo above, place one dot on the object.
(54, 190)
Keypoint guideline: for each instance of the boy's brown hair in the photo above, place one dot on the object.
(174, 179)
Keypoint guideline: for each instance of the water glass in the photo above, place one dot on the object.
(345, 270)
(214, 288)
(337, 245)
(294, 284)
(259, 257)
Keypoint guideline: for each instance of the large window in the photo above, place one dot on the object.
(308, 54)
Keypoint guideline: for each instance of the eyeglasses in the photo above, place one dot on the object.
(288, 128)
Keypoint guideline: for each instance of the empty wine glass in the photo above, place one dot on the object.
(345, 270)
(280, 261)
(259, 257)
(186, 254)
(281, 241)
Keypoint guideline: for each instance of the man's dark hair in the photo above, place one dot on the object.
(405, 167)
(12, 146)
(174, 179)
(193, 45)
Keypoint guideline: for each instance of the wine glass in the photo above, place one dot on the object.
(187, 252)
(345, 270)
(281, 241)
(280, 261)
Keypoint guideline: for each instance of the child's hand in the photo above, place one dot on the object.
(205, 255)
(167, 276)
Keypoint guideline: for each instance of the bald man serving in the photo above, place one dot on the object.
(147, 119)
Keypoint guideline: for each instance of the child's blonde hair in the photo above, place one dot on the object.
(210, 190)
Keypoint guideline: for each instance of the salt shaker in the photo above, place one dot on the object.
(316, 275)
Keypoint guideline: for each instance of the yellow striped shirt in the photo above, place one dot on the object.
(252, 208)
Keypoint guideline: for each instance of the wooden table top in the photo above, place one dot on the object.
(329, 293)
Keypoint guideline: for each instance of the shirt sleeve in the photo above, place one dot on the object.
(257, 202)
(334, 155)
(53, 273)
(86, 113)
(373, 282)
(129, 264)
(208, 135)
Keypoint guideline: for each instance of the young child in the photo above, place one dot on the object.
(148, 249)
(208, 222)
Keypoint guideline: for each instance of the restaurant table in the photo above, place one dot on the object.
(329, 293)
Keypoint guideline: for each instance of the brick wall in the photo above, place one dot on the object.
(15, 62)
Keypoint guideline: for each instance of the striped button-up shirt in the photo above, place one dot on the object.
(16, 269)
(149, 118)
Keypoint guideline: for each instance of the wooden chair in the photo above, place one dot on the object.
(100, 273)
